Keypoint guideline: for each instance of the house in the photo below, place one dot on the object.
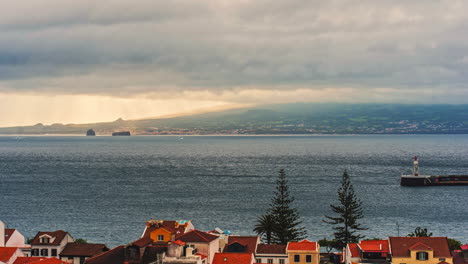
(13, 238)
(420, 250)
(367, 251)
(271, 254)
(233, 258)
(77, 253)
(8, 255)
(165, 231)
(204, 243)
(303, 252)
(178, 252)
(242, 244)
(50, 244)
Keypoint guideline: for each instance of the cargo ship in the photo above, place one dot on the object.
(431, 180)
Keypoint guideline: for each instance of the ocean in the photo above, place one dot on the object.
(104, 189)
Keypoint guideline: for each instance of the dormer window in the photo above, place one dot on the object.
(422, 255)
(45, 240)
(160, 237)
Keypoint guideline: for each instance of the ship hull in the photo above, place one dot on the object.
(436, 180)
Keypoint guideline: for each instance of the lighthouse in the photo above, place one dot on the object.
(416, 166)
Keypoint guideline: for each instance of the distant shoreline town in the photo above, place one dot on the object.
(179, 242)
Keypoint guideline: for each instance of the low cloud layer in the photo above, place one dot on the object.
(124, 48)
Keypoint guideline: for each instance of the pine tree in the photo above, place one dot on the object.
(286, 218)
(349, 212)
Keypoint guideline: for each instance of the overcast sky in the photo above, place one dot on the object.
(85, 61)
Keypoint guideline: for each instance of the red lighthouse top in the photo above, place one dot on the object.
(415, 158)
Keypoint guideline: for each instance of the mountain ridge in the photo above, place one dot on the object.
(296, 118)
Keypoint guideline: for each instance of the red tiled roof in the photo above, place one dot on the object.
(302, 246)
(250, 242)
(271, 249)
(8, 233)
(443, 262)
(113, 256)
(48, 261)
(420, 246)
(201, 255)
(168, 225)
(144, 241)
(374, 245)
(59, 235)
(353, 247)
(26, 260)
(83, 249)
(464, 247)
(179, 242)
(458, 257)
(232, 258)
(197, 236)
(400, 246)
(6, 253)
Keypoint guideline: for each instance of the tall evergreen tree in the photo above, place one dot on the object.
(349, 211)
(285, 217)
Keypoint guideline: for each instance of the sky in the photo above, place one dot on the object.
(68, 61)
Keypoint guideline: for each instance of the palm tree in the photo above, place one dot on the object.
(265, 226)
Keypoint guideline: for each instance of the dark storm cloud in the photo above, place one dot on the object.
(149, 46)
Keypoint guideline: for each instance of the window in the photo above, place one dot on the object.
(53, 252)
(270, 261)
(44, 252)
(281, 261)
(442, 259)
(45, 240)
(297, 258)
(160, 237)
(35, 252)
(309, 258)
(259, 260)
(422, 255)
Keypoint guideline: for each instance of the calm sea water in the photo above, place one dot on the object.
(103, 189)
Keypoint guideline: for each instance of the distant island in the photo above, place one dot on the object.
(90, 132)
(298, 118)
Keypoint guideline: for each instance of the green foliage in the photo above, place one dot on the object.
(265, 227)
(81, 240)
(29, 240)
(420, 232)
(329, 244)
(348, 212)
(453, 244)
(285, 218)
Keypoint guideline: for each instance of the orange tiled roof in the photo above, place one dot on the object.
(401, 246)
(48, 261)
(302, 246)
(353, 247)
(232, 258)
(374, 245)
(6, 253)
(26, 260)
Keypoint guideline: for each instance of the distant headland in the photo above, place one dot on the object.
(298, 118)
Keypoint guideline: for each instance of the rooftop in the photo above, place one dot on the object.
(271, 249)
(6, 253)
(197, 236)
(232, 258)
(401, 246)
(56, 235)
(83, 249)
(304, 245)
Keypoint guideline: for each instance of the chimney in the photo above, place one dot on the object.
(176, 224)
(189, 252)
